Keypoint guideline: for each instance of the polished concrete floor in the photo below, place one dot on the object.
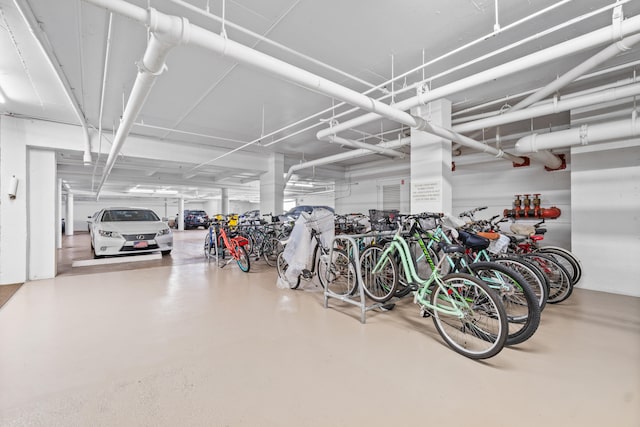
(188, 343)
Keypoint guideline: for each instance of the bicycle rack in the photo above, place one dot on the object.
(359, 298)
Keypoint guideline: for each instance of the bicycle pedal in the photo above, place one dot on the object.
(424, 312)
(306, 274)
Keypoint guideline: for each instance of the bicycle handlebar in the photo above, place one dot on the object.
(470, 212)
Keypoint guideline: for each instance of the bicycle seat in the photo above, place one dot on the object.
(473, 241)
(450, 248)
(489, 235)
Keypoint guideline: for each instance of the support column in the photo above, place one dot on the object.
(181, 214)
(431, 161)
(42, 225)
(69, 229)
(59, 215)
(13, 211)
(224, 201)
(272, 186)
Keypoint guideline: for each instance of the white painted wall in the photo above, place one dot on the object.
(42, 214)
(605, 187)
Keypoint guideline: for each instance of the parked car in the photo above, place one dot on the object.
(123, 231)
(249, 216)
(195, 218)
(294, 213)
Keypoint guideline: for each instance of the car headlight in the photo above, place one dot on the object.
(105, 233)
(163, 232)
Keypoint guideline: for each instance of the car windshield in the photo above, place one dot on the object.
(116, 215)
(196, 213)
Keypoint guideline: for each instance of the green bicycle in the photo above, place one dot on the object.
(467, 314)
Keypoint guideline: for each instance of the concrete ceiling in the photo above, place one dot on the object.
(207, 103)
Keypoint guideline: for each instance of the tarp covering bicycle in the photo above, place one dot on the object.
(299, 246)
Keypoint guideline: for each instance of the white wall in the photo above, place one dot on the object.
(489, 183)
(605, 187)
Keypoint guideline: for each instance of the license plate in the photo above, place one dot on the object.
(140, 245)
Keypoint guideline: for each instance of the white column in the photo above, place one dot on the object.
(59, 215)
(272, 186)
(42, 224)
(181, 214)
(13, 212)
(431, 161)
(224, 201)
(69, 229)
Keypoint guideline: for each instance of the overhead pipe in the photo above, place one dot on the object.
(582, 135)
(166, 33)
(397, 143)
(467, 142)
(42, 39)
(607, 34)
(604, 55)
(552, 107)
(359, 144)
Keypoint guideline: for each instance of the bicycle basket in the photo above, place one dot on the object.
(383, 220)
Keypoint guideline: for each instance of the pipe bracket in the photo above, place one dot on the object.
(616, 23)
(584, 134)
(143, 69)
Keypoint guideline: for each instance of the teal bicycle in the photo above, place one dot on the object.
(467, 314)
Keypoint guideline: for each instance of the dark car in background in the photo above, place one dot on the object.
(195, 218)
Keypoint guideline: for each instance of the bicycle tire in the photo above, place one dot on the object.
(380, 286)
(519, 300)
(532, 274)
(283, 265)
(567, 259)
(482, 331)
(339, 275)
(243, 258)
(209, 250)
(270, 250)
(560, 284)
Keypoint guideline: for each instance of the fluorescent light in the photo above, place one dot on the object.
(301, 184)
(166, 192)
(140, 190)
(2, 99)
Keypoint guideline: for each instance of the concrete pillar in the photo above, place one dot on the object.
(272, 186)
(42, 224)
(181, 214)
(59, 214)
(13, 211)
(431, 161)
(224, 201)
(69, 216)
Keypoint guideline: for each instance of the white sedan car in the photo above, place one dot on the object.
(123, 231)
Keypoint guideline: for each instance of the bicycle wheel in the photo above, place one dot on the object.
(243, 258)
(566, 259)
(283, 265)
(339, 275)
(209, 249)
(469, 316)
(270, 250)
(560, 285)
(518, 299)
(531, 273)
(381, 285)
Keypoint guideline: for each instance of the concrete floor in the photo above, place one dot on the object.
(192, 344)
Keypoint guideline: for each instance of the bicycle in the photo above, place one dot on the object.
(339, 275)
(217, 241)
(467, 314)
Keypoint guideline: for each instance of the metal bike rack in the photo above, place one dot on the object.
(358, 299)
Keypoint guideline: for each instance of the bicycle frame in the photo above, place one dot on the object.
(399, 244)
(232, 243)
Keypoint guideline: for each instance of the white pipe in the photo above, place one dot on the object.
(466, 141)
(397, 143)
(370, 147)
(602, 56)
(552, 107)
(166, 32)
(578, 44)
(45, 46)
(582, 135)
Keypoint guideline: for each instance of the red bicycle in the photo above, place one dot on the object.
(218, 242)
